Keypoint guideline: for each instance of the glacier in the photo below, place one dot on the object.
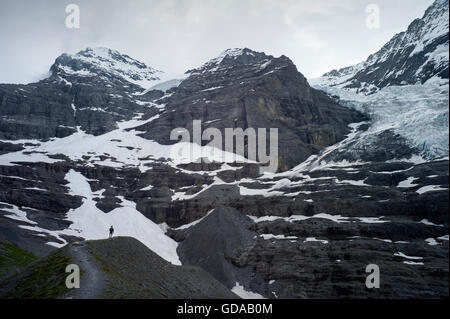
(419, 113)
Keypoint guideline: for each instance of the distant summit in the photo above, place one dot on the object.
(410, 57)
(104, 62)
(232, 57)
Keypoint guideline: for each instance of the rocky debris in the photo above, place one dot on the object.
(213, 242)
(115, 268)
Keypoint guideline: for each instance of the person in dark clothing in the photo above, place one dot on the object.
(111, 231)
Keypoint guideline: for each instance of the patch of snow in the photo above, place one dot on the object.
(278, 237)
(313, 239)
(413, 263)
(10, 159)
(372, 220)
(294, 218)
(408, 183)
(427, 222)
(400, 254)
(91, 223)
(16, 213)
(212, 89)
(431, 241)
(430, 188)
(239, 290)
(194, 222)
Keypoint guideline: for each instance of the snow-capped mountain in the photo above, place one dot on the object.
(106, 63)
(404, 89)
(96, 88)
(410, 57)
(222, 62)
(250, 89)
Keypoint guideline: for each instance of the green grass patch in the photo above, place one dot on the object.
(12, 258)
(44, 279)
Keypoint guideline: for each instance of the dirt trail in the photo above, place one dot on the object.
(93, 281)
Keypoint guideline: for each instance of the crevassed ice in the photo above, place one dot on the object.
(419, 113)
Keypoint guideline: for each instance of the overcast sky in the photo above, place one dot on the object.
(176, 35)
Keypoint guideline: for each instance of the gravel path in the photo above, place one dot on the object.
(93, 281)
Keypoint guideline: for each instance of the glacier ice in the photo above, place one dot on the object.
(419, 113)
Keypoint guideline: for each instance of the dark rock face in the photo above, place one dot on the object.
(79, 93)
(322, 233)
(8, 147)
(410, 57)
(246, 89)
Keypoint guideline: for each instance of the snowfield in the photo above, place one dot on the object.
(122, 147)
(90, 222)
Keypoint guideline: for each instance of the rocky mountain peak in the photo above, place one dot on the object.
(106, 63)
(242, 57)
(244, 89)
(413, 56)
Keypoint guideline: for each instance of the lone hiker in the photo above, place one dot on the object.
(111, 231)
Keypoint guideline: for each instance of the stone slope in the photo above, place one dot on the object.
(213, 242)
(115, 268)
